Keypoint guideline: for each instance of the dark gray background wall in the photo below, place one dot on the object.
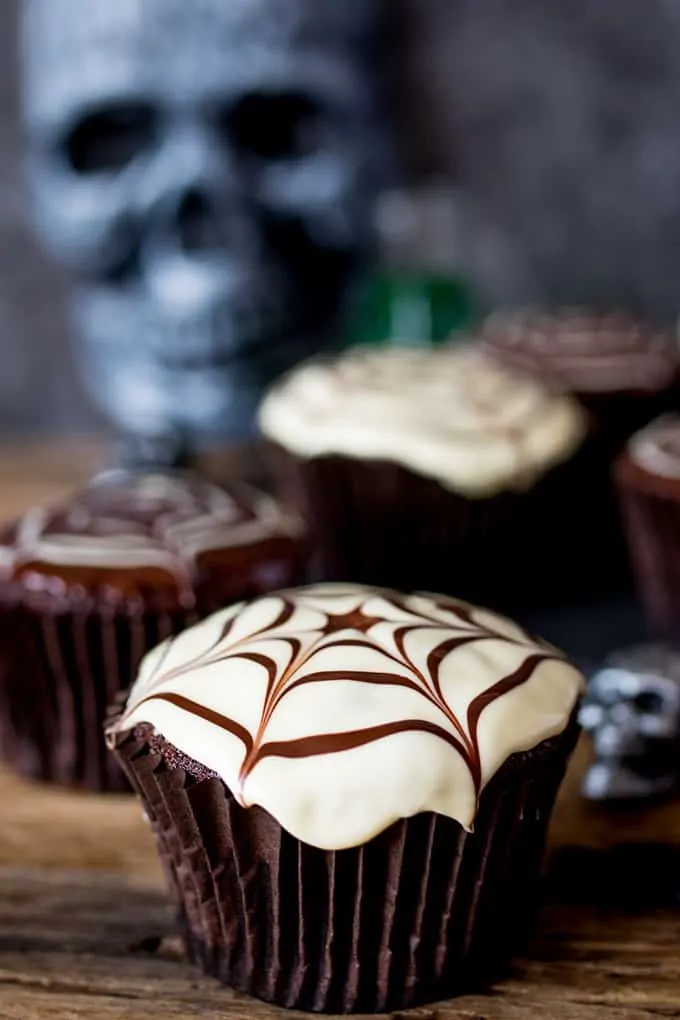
(557, 120)
(38, 386)
(560, 122)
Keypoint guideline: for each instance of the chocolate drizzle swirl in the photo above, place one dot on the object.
(128, 528)
(584, 352)
(371, 635)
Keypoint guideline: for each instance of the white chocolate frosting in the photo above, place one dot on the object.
(450, 414)
(656, 448)
(129, 520)
(340, 708)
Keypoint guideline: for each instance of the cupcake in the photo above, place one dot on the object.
(647, 475)
(623, 370)
(88, 586)
(625, 373)
(426, 468)
(350, 789)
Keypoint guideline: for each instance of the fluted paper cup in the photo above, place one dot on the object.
(423, 911)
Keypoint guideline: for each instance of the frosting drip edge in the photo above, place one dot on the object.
(385, 718)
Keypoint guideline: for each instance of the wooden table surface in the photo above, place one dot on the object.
(86, 931)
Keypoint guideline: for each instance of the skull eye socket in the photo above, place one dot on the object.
(273, 126)
(109, 139)
(649, 702)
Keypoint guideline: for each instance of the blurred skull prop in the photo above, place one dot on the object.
(632, 713)
(207, 170)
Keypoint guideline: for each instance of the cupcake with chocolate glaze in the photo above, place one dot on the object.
(423, 468)
(350, 788)
(623, 370)
(647, 474)
(91, 584)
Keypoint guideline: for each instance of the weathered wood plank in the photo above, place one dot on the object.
(86, 932)
(70, 943)
(46, 828)
(56, 1006)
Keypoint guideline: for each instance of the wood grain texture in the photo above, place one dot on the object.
(78, 945)
(33, 472)
(86, 932)
(36, 472)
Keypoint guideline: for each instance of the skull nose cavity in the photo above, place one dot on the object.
(591, 716)
(611, 740)
(197, 223)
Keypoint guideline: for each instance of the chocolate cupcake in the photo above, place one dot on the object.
(350, 789)
(624, 371)
(426, 468)
(90, 585)
(648, 479)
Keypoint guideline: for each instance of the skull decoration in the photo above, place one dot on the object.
(632, 713)
(207, 170)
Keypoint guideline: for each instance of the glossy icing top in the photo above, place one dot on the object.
(128, 529)
(342, 708)
(450, 414)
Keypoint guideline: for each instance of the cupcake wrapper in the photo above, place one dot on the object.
(62, 662)
(377, 523)
(571, 538)
(653, 529)
(59, 671)
(618, 416)
(421, 912)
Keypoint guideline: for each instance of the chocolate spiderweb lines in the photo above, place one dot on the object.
(203, 712)
(282, 680)
(208, 656)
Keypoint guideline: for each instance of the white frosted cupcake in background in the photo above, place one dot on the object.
(425, 468)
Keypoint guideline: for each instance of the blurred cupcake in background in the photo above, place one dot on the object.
(427, 468)
(647, 474)
(622, 369)
(91, 584)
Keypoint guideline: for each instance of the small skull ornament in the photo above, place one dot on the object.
(207, 171)
(632, 713)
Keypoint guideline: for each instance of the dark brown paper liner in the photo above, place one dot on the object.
(421, 912)
(374, 522)
(618, 416)
(59, 671)
(652, 522)
(378, 523)
(571, 535)
(63, 659)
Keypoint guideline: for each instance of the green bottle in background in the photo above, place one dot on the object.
(413, 297)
